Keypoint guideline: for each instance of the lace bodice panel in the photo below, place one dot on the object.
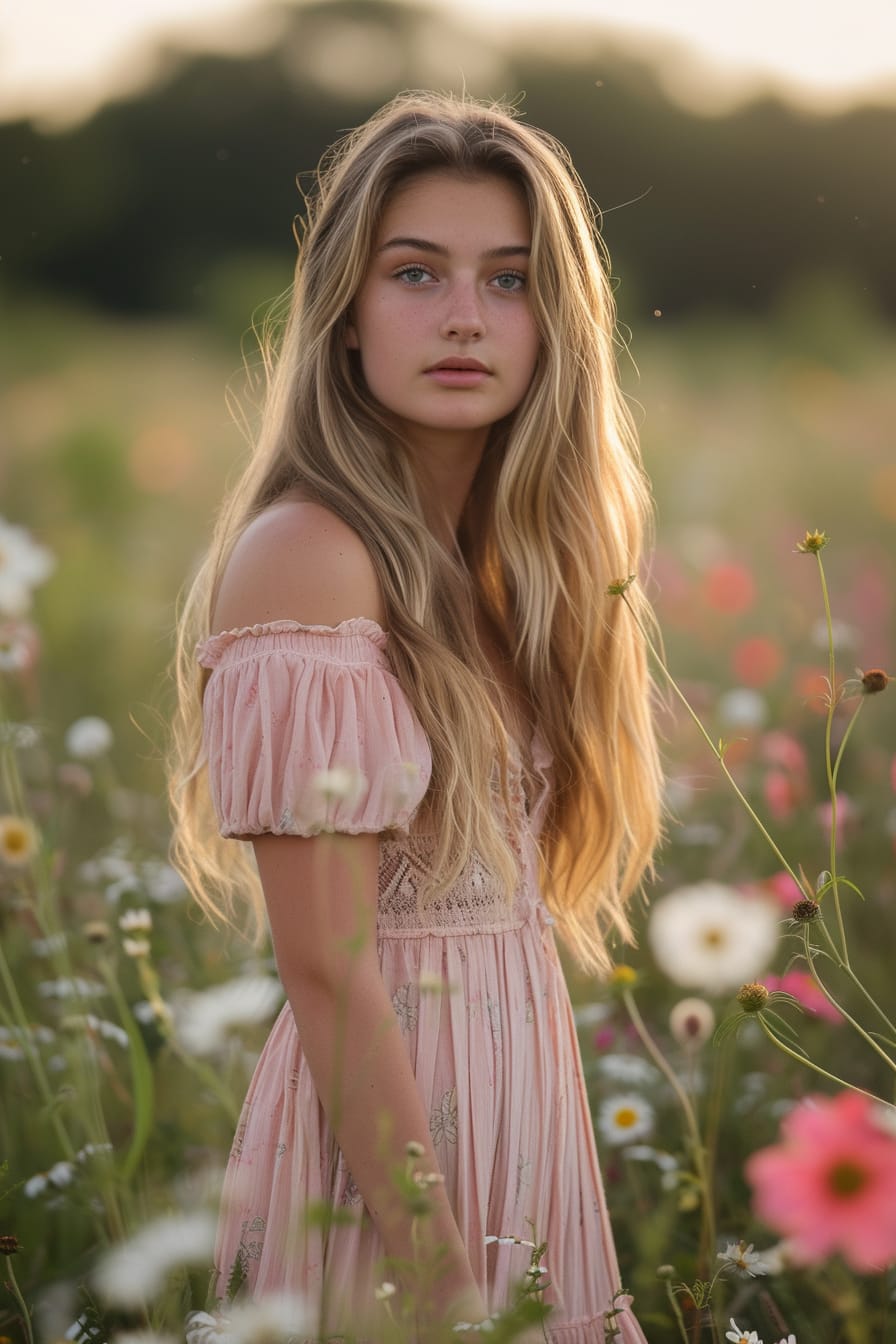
(477, 902)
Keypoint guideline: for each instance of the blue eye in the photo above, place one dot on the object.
(511, 282)
(413, 275)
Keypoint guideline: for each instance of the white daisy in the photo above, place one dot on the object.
(142, 1337)
(88, 737)
(23, 565)
(59, 1176)
(134, 1272)
(738, 1336)
(738, 1255)
(204, 1019)
(712, 937)
(342, 783)
(135, 921)
(276, 1317)
(631, 1069)
(163, 884)
(743, 707)
(625, 1118)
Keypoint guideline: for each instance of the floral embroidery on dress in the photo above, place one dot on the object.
(251, 1249)
(281, 1150)
(443, 1120)
(523, 1175)
(494, 1017)
(405, 1005)
(351, 1194)
(287, 822)
(240, 1136)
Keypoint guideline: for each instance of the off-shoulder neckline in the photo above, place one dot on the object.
(353, 626)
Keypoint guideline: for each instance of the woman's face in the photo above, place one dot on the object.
(442, 322)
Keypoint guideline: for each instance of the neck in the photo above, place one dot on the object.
(446, 466)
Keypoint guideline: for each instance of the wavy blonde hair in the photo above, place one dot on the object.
(558, 510)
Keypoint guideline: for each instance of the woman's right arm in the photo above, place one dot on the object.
(299, 562)
(321, 900)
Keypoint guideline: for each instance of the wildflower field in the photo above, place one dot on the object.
(740, 1061)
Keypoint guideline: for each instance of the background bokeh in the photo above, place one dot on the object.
(752, 259)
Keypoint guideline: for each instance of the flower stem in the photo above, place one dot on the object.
(34, 1059)
(830, 769)
(673, 1302)
(659, 1059)
(23, 1307)
(809, 1064)
(719, 755)
(857, 1026)
(835, 953)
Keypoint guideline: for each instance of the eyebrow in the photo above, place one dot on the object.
(423, 245)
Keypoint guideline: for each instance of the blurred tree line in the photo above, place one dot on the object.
(144, 207)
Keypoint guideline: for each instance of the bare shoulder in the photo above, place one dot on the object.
(297, 561)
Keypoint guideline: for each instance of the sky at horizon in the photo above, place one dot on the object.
(58, 63)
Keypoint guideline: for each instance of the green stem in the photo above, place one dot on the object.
(809, 1064)
(829, 768)
(673, 1303)
(34, 1059)
(690, 1114)
(17, 1294)
(835, 953)
(856, 1026)
(719, 755)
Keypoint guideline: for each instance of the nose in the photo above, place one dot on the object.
(462, 318)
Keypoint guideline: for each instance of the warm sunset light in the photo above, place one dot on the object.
(60, 62)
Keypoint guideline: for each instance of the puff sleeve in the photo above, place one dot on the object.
(305, 728)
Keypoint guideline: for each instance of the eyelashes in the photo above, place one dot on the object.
(405, 272)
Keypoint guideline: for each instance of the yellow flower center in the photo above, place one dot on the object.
(713, 938)
(17, 841)
(626, 1116)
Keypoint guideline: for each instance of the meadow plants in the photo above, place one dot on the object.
(740, 1068)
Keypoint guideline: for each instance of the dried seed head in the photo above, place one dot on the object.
(97, 931)
(874, 681)
(9, 1244)
(805, 910)
(753, 997)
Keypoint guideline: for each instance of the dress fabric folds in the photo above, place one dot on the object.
(307, 729)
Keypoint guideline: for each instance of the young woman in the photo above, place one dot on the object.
(414, 696)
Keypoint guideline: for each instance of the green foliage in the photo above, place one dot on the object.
(118, 449)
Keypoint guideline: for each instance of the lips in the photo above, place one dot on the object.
(460, 364)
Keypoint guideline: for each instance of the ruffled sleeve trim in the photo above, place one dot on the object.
(306, 729)
(354, 635)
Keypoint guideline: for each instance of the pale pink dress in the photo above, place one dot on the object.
(495, 1053)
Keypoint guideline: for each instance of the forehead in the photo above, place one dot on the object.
(439, 201)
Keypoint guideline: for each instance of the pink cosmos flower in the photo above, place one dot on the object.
(804, 989)
(830, 1185)
(729, 587)
(784, 889)
(757, 661)
(782, 794)
(784, 750)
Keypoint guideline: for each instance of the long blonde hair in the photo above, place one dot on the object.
(558, 510)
